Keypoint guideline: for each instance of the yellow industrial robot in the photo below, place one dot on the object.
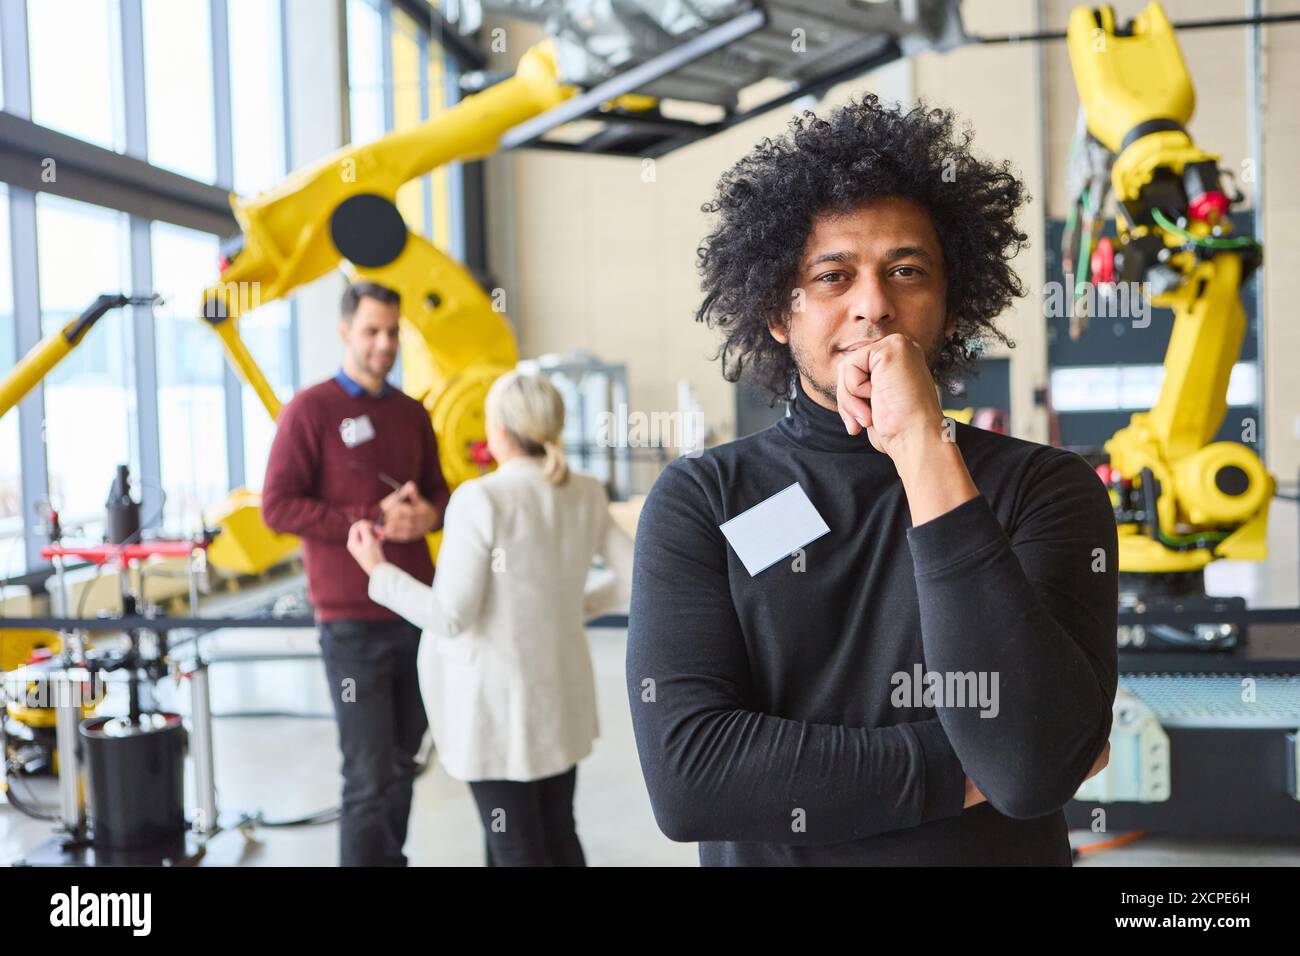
(1182, 500)
(455, 342)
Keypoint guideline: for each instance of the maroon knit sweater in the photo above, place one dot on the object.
(316, 487)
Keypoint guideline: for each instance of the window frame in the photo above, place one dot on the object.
(121, 180)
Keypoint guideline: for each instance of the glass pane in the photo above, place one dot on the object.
(76, 56)
(83, 253)
(268, 334)
(1091, 388)
(439, 181)
(256, 94)
(178, 86)
(191, 396)
(365, 70)
(13, 558)
(407, 108)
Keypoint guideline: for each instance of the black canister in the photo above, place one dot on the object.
(121, 511)
(137, 779)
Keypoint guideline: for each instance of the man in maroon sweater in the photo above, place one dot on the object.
(349, 448)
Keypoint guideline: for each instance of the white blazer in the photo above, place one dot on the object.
(505, 668)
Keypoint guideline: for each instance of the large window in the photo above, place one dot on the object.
(268, 334)
(75, 51)
(256, 97)
(178, 86)
(13, 559)
(82, 253)
(191, 395)
(77, 86)
(258, 136)
(408, 110)
(443, 184)
(398, 78)
(100, 410)
(366, 70)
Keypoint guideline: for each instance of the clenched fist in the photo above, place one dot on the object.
(886, 388)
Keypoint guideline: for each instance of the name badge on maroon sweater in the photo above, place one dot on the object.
(356, 431)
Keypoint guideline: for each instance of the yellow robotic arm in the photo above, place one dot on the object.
(455, 343)
(343, 209)
(52, 349)
(1181, 499)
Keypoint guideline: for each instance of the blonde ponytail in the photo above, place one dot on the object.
(556, 469)
(531, 410)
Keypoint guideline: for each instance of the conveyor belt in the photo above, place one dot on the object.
(1215, 700)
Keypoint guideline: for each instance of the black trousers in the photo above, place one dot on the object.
(529, 823)
(381, 720)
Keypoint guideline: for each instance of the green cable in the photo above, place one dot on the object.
(1209, 242)
(1085, 254)
(1070, 218)
(1194, 540)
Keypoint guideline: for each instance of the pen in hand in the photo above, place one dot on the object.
(394, 484)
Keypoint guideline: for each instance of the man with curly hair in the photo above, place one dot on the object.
(909, 656)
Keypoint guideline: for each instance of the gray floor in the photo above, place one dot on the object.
(285, 768)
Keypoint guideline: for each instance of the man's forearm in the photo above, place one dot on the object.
(934, 476)
(1037, 625)
(742, 775)
(310, 517)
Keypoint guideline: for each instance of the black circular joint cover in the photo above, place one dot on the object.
(368, 230)
(1231, 480)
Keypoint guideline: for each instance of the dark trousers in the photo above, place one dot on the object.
(529, 823)
(381, 720)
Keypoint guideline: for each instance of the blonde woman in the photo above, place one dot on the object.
(511, 694)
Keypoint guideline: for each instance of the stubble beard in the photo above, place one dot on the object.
(827, 390)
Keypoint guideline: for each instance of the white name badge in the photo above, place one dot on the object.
(774, 528)
(356, 431)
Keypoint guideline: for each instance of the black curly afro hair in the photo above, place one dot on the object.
(862, 151)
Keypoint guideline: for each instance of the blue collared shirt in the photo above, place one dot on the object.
(355, 388)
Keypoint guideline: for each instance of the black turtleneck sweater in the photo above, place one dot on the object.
(770, 715)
